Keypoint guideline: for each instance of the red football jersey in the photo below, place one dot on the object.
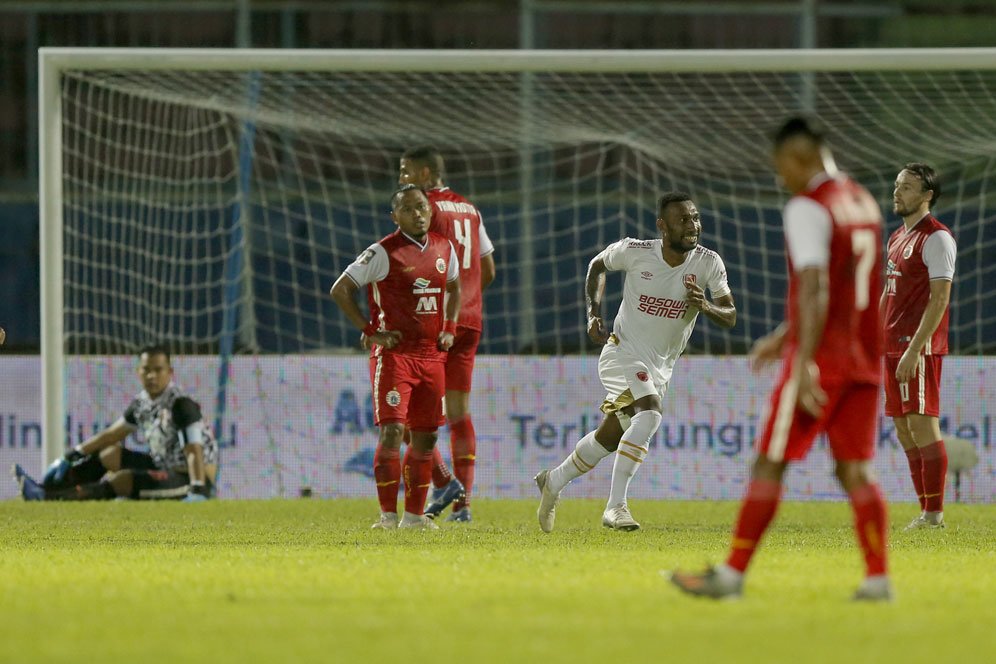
(406, 285)
(850, 348)
(457, 219)
(908, 289)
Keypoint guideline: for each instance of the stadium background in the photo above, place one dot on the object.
(28, 25)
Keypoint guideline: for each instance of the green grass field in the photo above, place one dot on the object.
(307, 580)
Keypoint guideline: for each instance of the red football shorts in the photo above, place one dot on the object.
(408, 390)
(460, 359)
(922, 395)
(849, 419)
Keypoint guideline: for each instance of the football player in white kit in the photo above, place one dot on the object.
(663, 294)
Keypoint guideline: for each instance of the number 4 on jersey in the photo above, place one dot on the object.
(461, 228)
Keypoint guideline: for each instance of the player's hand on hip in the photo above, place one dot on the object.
(810, 397)
(386, 338)
(597, 331)
(906, 369)
(765, 350)
(445, 340)
(3, 336)
(365, 342)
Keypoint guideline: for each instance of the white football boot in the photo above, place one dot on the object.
(619, 518)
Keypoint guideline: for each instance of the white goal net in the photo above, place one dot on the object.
(210, 206)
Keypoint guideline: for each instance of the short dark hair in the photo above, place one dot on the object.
(670, 197)
(426, 155)
(155, 349)
(929, 179)
(799, 125)
(400, 191)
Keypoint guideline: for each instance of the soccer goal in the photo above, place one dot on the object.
(207, 199)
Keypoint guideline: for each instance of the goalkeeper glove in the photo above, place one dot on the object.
(57, 470)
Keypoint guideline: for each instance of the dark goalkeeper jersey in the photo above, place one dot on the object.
(160, 424)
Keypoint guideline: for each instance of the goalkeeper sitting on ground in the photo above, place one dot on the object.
(182, 459)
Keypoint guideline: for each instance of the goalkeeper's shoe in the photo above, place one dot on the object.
(460, 516)
(619, 518)
(417, 522)
(546, 513)
(874, 589)
(443, 497)
(715, 583)
(29, 489)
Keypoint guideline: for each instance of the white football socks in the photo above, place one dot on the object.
(633, 449)
(586, 455)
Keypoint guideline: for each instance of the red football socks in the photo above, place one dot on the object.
(916, 472)
(870, 521)
(441, 475)
(463, 442)
(417, 471)
(935, 468)
(756, 512)
(387, 474)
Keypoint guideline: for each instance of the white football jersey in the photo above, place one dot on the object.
(654, 322)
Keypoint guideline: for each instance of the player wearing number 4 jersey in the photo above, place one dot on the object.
(457, 219)
(914, 310)
(831, 349)
(413, 288)
(663, 294)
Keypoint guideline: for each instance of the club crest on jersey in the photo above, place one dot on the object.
(907, 251)
(422, 282)
(689, 280)
(440, 265)
(642, 375)
(393, 398)
(647, 275)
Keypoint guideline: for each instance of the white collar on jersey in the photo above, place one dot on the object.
(817, 180)
(423, 246)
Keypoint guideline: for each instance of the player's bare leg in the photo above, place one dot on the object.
(417, 471)
(870, 524)
(926, 433)
(634, 444)
(759, 506)
(387, 473)
(592, 448)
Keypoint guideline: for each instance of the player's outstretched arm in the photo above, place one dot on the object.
(112, 435)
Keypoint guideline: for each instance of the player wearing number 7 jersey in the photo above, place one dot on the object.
(831, 352)
(457, 219)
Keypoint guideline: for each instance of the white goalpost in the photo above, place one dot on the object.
(207, 198)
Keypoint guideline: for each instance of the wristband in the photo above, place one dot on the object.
(449, 326)
(370, 329)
